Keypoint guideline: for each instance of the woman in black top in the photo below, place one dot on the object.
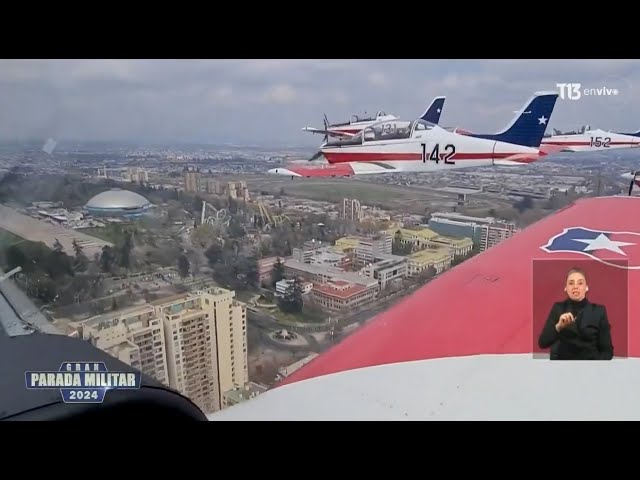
(577, 329)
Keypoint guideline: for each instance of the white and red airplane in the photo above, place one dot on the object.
(590, 140)
(420, 146)
(357, 124)
(465, 345)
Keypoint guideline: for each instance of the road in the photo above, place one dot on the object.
(266, 324)
(41, 231)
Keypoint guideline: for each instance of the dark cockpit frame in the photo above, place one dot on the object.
(44, 352)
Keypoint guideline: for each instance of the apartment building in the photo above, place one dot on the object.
(192, 181)
(493, 234)
(283, 285)
(386, 269)
(265, 269)
(352, 209)
(134, 336)
(368, 248)
(194, 342)
(486, 232)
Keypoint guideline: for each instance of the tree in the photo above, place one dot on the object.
(202, 234)
(236, 230)
(214, 254)
(77, 248)
(397, 247)
(278, 271)
(183, 266)
(292, 301)
(125, 250)
(525, 204)
(106, 259)
(81, 261)
(57, 246)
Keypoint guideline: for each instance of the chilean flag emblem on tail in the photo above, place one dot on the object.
(617, 249)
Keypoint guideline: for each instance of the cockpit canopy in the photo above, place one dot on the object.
(391, 130)
(395, 130)
(367, 118)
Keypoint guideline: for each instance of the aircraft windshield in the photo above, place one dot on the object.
(423, 125)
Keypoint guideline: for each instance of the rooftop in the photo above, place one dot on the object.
(331, 272)
(117, 198)
(246, 392)
(430, 255)
(453, 241)
(123, 346)
(339, 289)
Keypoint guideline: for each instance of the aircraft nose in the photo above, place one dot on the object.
(273, 171)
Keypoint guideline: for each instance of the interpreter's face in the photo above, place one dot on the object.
(576, 286)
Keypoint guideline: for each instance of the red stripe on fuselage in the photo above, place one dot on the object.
(346, 156)
(585, 143)
(345, 130)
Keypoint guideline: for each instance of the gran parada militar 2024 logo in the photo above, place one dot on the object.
(83, 382)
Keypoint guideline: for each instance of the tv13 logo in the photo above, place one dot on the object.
(571, 91)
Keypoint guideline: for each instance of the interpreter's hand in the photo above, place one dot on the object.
(565, 320)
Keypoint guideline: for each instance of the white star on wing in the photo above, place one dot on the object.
(542, 120)
(602, 242)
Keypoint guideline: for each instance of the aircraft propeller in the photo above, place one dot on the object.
(315, 156)
(634, 177)
(326, 128)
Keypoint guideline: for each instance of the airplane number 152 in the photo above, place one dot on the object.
(600, 142)
(449, 151)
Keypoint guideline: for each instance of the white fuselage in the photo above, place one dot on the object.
(592, 140)
(422, 150)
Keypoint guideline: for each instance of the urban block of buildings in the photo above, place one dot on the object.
(195, 343)
(353, 271)
(194, 181)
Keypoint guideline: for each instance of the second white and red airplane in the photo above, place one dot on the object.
(590, 140)
(421, 146)
(357, 124)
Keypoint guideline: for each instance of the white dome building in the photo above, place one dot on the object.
(117, 203)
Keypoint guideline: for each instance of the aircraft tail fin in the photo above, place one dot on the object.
(530, 123)
(433, 112)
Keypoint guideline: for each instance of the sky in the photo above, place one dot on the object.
(267, 102)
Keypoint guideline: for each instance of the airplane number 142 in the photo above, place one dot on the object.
(448, 151)
(600, 141)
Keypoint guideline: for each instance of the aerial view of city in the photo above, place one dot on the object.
(220, 268)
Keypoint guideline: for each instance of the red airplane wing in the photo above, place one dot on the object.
(463, 345)
(346, 169)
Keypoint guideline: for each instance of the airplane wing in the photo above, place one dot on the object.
(464, 346)
(346, 169)
(331, 133)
